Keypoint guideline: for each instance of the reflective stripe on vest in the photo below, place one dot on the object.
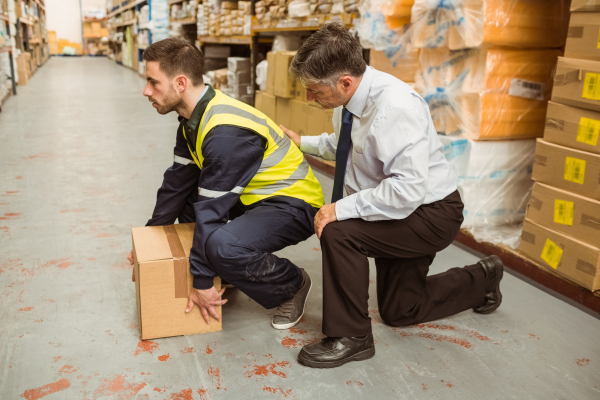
(283, 171)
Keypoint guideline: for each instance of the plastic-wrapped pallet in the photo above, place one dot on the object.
(487, 94)
(459, 24)
(494, 181)
(383, 24)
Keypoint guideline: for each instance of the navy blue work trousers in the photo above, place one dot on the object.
(241, 251)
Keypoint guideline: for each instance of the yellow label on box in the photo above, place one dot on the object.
(574, 170)
(591, 87)
(588, 131)
(598, 45)
(552, 253)
(563, 212)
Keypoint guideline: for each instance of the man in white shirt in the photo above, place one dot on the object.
(402, 204)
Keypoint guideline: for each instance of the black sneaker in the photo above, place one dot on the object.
(493, 269)
(332, 352)
(289, 313)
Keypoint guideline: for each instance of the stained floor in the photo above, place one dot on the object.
(81, 156)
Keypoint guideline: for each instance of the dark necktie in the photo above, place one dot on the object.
(341, 155)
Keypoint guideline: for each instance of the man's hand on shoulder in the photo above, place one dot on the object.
(325, 215)
(206, 300)
(292, 135)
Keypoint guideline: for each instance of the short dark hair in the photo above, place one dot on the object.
(327, 55)
(177, 56)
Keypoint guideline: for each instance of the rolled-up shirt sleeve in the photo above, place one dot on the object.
(405, 158)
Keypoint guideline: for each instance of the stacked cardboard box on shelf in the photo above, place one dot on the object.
(238, 79)
(562, 226)
(284, 100)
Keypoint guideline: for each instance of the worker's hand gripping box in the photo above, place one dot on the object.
(163, 282)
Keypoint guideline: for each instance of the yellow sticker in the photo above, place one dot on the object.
(574, 170)
(591, 87)
(552, 253)
(563, 212)
(598, 45)
(588, 131)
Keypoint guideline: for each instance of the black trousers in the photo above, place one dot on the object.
(403, 251)
(241, 250)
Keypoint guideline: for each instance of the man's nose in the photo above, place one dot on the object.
(310, 96)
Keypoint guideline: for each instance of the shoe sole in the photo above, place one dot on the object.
(292, 324)
(496, 287)
(363, 355)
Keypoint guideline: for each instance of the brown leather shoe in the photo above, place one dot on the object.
(494, 269)
(331, 352)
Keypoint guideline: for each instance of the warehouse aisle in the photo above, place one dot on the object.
(81, 158)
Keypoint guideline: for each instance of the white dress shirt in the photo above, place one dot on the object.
(396, 162)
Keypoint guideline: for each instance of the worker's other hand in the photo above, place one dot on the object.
(292, 135)
(325, 215)
(206, 300)
(130, 258)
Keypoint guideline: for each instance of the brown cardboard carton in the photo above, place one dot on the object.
(270, 73)
(285, 85)
(163, 282)
(404, 69)
(565, 212)
(319, 120)
(300, 116)
(283, 113)
(569, 169)
(569, 257)
(577, 83)
(266, 103)
(299, 91)
(585, 5)
(573, 127)
(583, 36)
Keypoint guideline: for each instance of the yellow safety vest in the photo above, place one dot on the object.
(283, 172)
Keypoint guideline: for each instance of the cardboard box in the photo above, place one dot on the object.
(565, 212)
(404, 69)
(266, 103)
(283, 114)
(299, 117)
(577, 83)
(284, 85)
(583, 36)
(573, 127)
(270, 73)
(569, 169)
(217, 51)
(299, 91)
(319, 120)
(585, 5)
(569, 257)
(238, 77)
(163, 282)
(236, 64)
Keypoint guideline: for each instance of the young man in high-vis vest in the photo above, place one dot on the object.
(231, 162)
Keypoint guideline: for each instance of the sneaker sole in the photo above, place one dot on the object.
(292, 324)
(363, 355)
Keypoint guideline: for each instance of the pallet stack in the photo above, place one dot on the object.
(562, 226)
(485, 70)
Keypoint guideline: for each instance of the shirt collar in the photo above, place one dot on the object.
(207, 95)
(356, 105)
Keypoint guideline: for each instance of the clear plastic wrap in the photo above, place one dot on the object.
(487, 94)
(384, 25)
(460, 24)
(494, 181)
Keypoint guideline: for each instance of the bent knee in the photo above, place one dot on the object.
(219, 247)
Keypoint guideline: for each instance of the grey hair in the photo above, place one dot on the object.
(327, 55)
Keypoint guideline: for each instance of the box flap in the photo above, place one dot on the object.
(151, 242)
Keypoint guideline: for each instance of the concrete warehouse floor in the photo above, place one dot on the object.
(82, 156)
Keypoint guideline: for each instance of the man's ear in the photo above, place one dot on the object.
(346, 82)
(181, 83)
